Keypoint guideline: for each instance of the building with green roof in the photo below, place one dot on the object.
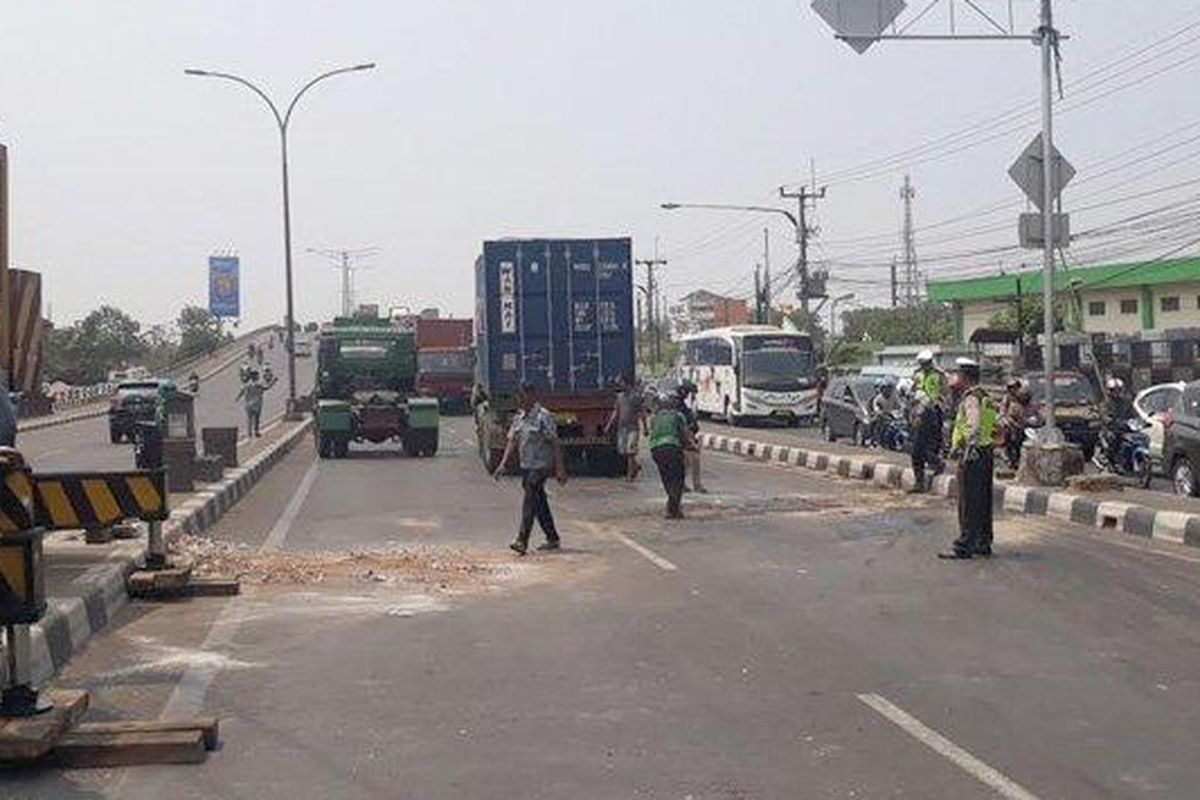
(1115, 299)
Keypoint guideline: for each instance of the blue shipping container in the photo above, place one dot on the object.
(557, 313)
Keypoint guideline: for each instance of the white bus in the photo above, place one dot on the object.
(751, 372)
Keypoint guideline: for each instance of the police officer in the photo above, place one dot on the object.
(929, 384)
(971, 443)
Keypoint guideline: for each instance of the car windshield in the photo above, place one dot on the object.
(864, 390)
(1068, 389)
(1191, 401)
(126, 389)
(454, 363)
(776, 370)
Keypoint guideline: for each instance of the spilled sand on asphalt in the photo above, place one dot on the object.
(426, 574)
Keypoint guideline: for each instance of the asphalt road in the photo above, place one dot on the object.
(85, 445)
(793, 638)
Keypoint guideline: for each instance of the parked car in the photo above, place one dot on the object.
(846, 408)
(1157, 406)
(131, 403)
(1181, 448)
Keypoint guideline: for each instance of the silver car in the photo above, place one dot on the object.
(1155, 405)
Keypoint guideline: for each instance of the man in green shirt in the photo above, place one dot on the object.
(669, 435)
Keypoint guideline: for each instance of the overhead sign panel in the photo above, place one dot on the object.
(859, 22)
(1027, 173)
(224, 291)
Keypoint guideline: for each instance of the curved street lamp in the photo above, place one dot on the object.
(282, 120)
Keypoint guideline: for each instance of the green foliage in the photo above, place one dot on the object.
(846, 353)
(925, 324)
(200, 333)
(84, 353)
(810, 323)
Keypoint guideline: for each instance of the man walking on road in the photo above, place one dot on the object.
(669, 435)
(534, 435)
(971, 443)
(629, 418)
(251, 395)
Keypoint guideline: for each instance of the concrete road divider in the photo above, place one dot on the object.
(99, 593)
(1135, 519)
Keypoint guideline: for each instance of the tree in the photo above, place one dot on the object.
(161, 347)
(200, 333)
(810, 324)
(924, 324)
(84, 353)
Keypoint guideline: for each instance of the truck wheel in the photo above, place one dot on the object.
(324, 445)
(341, 448)
(115, 436)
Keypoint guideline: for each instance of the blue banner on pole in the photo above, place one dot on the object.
(224, 296)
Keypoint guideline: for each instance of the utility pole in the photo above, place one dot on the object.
(894, 286)
(765, 317)
(912, 289)
(803, 199)
(1049, 46)
(344, 259)
(758, 294)
(652, 300)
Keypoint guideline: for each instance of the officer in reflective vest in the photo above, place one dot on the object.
(929, 387)
(971, 443)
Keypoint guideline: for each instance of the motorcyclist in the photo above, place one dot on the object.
(883, 405)
(930, 386)
(1016, 414)
(1118, 411)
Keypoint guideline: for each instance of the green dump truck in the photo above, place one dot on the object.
(366, 389)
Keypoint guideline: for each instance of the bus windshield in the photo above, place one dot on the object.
(776, 369)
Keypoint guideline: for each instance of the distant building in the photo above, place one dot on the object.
(1146, 299)
(702, 310)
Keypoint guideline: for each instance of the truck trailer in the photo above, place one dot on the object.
(446, 362)
(557, 314)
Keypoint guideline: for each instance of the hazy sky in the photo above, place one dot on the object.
(489, 118)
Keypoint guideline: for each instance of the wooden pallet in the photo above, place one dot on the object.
(24, 739)
(132, 743)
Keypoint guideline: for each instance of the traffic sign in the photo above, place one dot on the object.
(1027, 173)
(1031, 226)
(859, 22)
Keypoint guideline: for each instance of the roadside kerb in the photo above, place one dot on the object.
(1130, 518)
(70, 622)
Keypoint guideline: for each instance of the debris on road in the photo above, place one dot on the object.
(442, 569)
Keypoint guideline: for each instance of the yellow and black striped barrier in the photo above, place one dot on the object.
(91, 500)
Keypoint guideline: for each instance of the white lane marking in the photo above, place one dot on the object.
(187, 698)
(987, 775)
(651, 556)
(283, 525)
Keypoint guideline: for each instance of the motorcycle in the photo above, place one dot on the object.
(893, 433)
(1129, 457)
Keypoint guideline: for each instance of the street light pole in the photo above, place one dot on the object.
(797, 225)
(283, 120)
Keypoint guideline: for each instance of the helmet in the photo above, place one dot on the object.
(925, 357)
(686, 388)
(1114, 384)
(904, 387)
(1014, 384)
(886, 389)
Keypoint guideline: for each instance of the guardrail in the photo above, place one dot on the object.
(78, 396)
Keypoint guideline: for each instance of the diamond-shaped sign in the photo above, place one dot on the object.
(858, 22)
(1027, 173)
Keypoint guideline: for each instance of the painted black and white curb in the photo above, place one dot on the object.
(1131, 518)
(99, 594)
